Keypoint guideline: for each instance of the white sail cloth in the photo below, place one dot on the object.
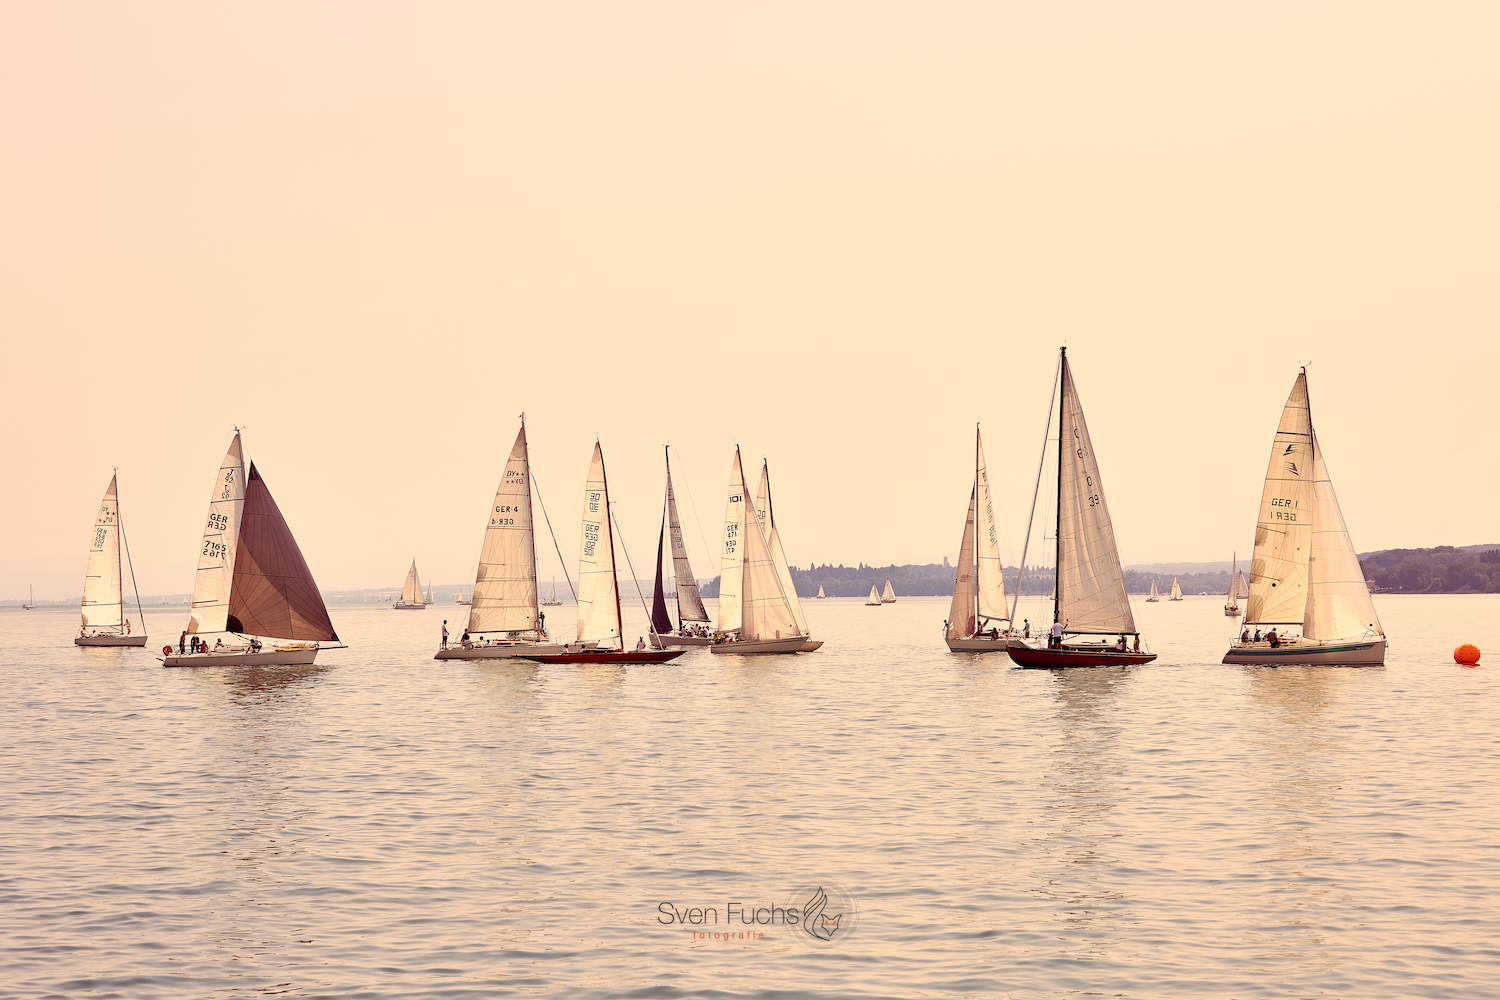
(1338, 600)
(689, 602)
(961, 620)
(1090, 580)
(732, 560)
(767, 519)
(991, 576)
(505, 592)
(221, 538)
(411, 592)
(1283, 530)
(765, 612)
(598, 589)
(102, 599)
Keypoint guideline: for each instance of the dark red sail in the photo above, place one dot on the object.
(273, 593)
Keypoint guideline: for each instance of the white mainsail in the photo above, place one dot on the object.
(821, 595)
(732, 562)
(689, 602)
(429, 591)
(598, 590)
(1154, 594)
(411, 591)
(221, 536)
(991, 577)
(1090, 581)
(1176, 591)
(505, 592)
(874, 596)
(961, 620)
(102, 591)
(1338, 599)
(766, 517)
(888, 596)
(1231, 599)
(1283, 532)
(765, 612)
(1241, 589)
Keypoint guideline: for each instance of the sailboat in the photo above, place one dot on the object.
(1089, 597)
(689, 603)
(764, 621)
(504, 619)
(1176, 591)
(1304, 572)
(252, 581)
(30, 604)
(411, 591)
(874, 601)
(1241, 589)
(104, 621)
(461, 597)
(429, 591)
(821, 596)
(889, 597)
(1231, 601)
(599, 620)
(1155, 597)
(979, 583)
(552, 601)
(766, 516)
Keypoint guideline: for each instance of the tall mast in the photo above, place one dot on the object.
(1062, 406)
(975, 556)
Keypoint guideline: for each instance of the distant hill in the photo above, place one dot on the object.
(1446, 569)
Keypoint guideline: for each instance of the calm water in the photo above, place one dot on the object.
(385, 826)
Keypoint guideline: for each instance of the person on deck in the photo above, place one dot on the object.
(1054, 641)
(541, 621)
(1120, 644)
(255, 645)
(445, 634)
(1245, 636)
(1273, 639)
(182, 644)
(1136, 646)
(1257, 634)
(1025, 628)
(127, 626)
(640, 645)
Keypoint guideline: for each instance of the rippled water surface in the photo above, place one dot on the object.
(383, 825)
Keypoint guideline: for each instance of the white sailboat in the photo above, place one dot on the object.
(766, 516)
(252, 580)
(692, 618)
(732, 558)
(30, 604)
(1176, 591)
(552, 601)
(461, 597)
(1241, 589)
(1231, 600)
(504, 619)
(1304, 573)
(889, 595)
(821, 596)
(1155, 596)
(103, 608)
(763, 616)
(874, 601)
(1089, 597)
(600, 625)
(411, 591)
(978, 618)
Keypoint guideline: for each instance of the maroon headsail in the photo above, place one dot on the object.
(273, 593)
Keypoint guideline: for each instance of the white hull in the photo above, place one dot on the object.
(500, 651)
(792, 645)
(552, 604)
(403, 606)
(109, 640)
(811, 645)
(1361, 652)
(667, 641)
(891, 601)
(225, 658)
(979, 644)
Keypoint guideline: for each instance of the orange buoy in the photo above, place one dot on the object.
(1467, 654)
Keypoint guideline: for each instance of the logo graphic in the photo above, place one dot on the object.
(828, 910)
(1289, 449)
(816, 920)
(1292, 468)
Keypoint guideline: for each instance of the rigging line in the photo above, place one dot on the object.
(138, 609)
(697, 520)
(650, 626)
(535, 482)
(1040, 465)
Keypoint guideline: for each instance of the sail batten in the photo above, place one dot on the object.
(505, 588)
(103, 593)
(1091, 595)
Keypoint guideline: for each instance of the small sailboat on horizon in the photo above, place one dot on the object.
(411, 591)
(1089, 596)
(821, 596)
(1155, 596)
(978, 618)
(30, 603)
(889, 596)
(1231, 599)
(874, 601)
(552, 601)
(1176, 591)
(1304, 572)
(103, 606)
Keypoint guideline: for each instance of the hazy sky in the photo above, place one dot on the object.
(839, 234)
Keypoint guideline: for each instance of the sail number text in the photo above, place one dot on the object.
(1284, 515)
(215, 550)
(505, 509)
(590, 538)
(218, 522)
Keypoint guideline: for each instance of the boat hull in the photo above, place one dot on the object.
(667, 641)
(1364, 653)
(1232, 612)
(1071, 656)
(500, 652)
(610, 656)
(109, 640)
(409, 607)
(754, 646)
(977, 644)
(811, 645)
(266, 657)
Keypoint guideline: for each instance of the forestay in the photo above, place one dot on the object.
(1338, 604)
(598, 591)
(1090, 581)
(221, 537)
(1283, 531)
(505, 592)
(732, 559)
(764, 610)
(991, 576)
(273, 593)
(961, 621)
(102, 601)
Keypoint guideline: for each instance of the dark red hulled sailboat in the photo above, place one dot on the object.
(1089, 597)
